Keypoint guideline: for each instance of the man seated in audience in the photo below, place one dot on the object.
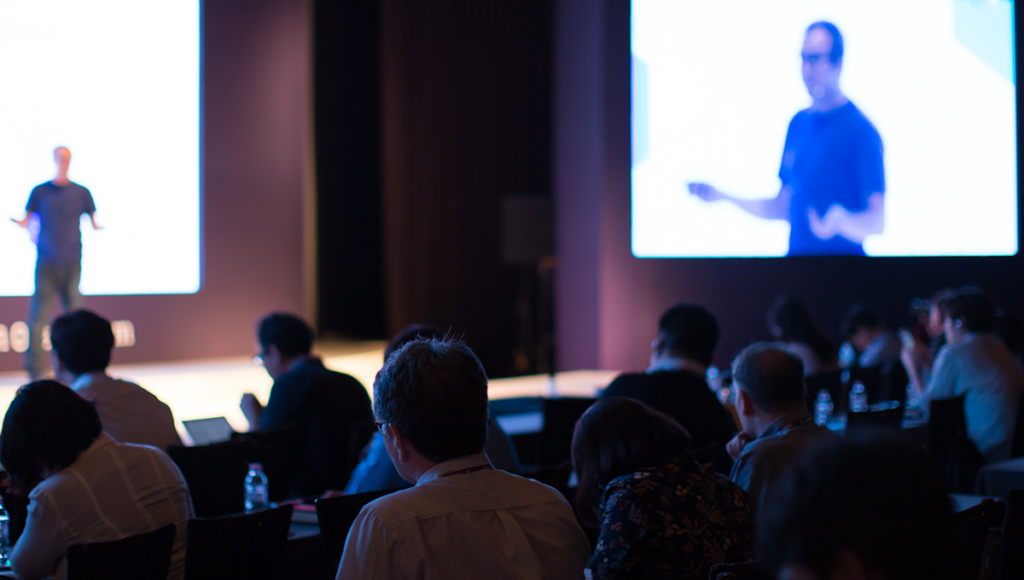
(82, 343)
(777, 429)
(321, 403)
(83, 486)
(878, 346)
(857, 509)
(463, 518)
(977, 364)
(675, 382)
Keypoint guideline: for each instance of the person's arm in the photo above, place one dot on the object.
(618, 537)
(24, 221)
(42, 543)
(854, 226)
(253, 410)
(371, 551)
(92, 220)
(770, 208)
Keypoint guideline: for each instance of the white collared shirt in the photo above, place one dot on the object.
(463, 522)
(112, 491)
(129, 413)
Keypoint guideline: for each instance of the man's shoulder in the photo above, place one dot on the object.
(789, 441)
(627, 382)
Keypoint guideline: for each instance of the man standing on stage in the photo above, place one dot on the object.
(833, 180)
(59, 205)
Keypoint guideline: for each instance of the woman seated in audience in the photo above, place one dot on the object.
(661, 515)
(791, 322)
(85, 487)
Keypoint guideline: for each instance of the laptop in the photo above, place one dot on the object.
(207, 431)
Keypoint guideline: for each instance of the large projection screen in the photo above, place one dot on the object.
(118, 83)
(716, 85)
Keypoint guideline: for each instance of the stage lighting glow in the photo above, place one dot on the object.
(117, 82)
(716, 84)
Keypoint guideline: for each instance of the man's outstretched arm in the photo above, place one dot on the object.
(24, 221)
(854, 226)
(770, 208)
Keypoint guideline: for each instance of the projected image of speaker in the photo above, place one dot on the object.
(840, 127)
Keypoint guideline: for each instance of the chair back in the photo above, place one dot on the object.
(949, 445)
(215, 475)
(1018, 432)
(970, 528)
(249, 546)
(560, 416)
(140, 557)
(275, 450)
(887, 416)
(1010, 564)
(336, 515)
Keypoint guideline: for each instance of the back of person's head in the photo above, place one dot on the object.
(772, 377)
(47, 426)
(876, 498)
(434, 391)
(790, 320)
(860, 316)
(615, 437)
(689, 330)
(409, 334)
(836, 54)
(82, 340)
(972, 308)
(1010, 329)
(289, 333)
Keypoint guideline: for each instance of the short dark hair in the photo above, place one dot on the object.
(690, 330)
(772, 377)
(47, 425)
(836, 53)
(409, 334)
(878, 496)
(857, 316)
(82, 340)
(289, 333)
(434, 391)
(617, 436)
(972, 306)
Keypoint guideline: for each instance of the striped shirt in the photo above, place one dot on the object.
(466, 520)
(112, 491)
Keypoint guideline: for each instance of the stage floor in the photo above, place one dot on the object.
(198, 389)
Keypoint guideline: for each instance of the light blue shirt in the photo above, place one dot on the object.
(983, 369)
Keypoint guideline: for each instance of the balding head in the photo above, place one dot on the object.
(772, 377)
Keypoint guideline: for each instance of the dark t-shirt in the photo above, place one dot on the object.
(60, 210)
(829, 158)
(323, 404)
(685, 397)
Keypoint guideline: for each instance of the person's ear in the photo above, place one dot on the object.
(402, 447)
(744, 404)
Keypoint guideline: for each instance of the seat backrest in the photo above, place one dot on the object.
(560, 416)
(140, 557)
(888, 419)
(1018, 432)
(970, 528)
(275, 450)
(946, 424)
(215, 475)
(249, 546)
(1010, 564)
(336, 515)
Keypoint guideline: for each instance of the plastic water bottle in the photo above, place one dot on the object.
(847, 355)
(823, 407)
(256, 495)
(5, 538)
(858, 398)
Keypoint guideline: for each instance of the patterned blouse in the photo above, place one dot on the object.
(674, 520)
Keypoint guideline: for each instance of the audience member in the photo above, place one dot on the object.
(82, 343)
(661, 515)
(977, 364)
(791, 323)
(873, 509)
(877, 344)
(376, 472)
(463, 518)
(675, 382)
(777, 428)
(85, 487)
(323, 404)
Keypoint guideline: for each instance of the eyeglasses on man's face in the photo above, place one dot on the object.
(382, 428)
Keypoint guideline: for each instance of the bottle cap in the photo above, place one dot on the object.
(254, 466)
